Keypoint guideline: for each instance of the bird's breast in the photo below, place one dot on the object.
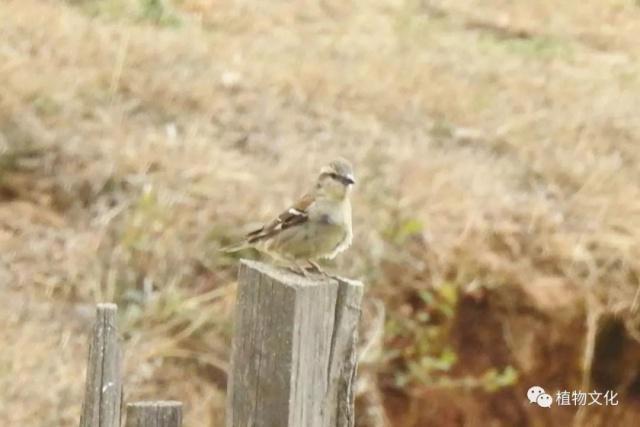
(328, 216)
(326, 219)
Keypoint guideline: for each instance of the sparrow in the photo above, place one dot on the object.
(317, 226)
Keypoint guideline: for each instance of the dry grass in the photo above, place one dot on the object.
(494, 146)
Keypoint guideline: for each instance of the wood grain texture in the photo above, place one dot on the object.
(154, 414)
(294, 349)
(103, 388)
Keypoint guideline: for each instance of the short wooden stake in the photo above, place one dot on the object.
(103, 387)
(154, 414)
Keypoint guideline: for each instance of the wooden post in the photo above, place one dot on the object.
(294, 349)
(103, 389)
(154, 414)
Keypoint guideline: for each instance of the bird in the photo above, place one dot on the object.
(317, 226)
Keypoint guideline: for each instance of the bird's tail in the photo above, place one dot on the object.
(235, 247)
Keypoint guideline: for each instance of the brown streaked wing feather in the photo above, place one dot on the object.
(295, 215)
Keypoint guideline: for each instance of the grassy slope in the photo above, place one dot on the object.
(493, 146)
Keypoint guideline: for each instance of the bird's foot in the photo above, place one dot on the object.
(312, 268)
(297, 269)
(316, 268)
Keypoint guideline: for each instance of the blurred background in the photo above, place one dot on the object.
(497, 210)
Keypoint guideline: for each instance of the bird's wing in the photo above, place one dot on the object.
(297, 214)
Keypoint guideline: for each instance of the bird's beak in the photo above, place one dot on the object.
(348, 180)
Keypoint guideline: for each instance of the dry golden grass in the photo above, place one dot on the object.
(494, 146)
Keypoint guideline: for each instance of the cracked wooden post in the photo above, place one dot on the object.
(154, 414)
(103, 388)
(294, 351)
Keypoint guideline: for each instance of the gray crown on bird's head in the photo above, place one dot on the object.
(340, 170)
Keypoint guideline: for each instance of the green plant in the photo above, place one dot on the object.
(421, 350)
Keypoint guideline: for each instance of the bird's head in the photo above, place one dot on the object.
(336, 179)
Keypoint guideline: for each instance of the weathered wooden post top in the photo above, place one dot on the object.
(294, 349)
(103, 388)
(159, 413)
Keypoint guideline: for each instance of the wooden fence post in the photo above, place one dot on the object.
(294, 351)
(103, 389)
(154, 414)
